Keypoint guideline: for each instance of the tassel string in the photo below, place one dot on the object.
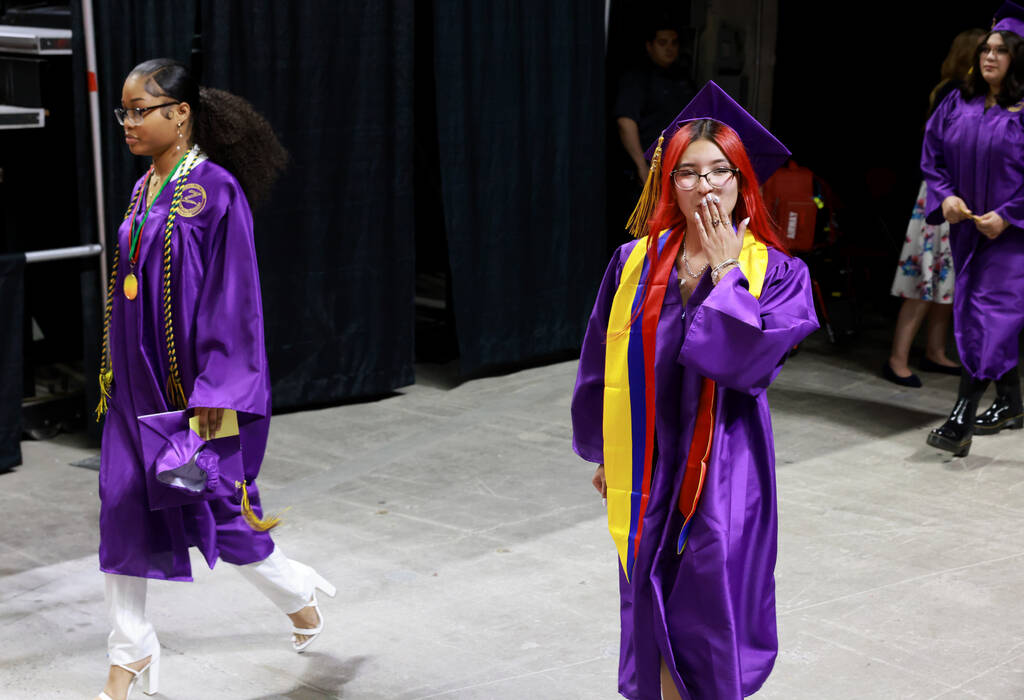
(638, 220)
(254, 521)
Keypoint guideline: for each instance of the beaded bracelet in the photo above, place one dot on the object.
(714, 272)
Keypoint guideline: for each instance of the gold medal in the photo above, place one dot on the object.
(131, 286)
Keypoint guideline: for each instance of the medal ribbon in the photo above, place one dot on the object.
(133, 244)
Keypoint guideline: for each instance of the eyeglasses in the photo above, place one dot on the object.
(999, 50)
(134, 116)
(689, 179)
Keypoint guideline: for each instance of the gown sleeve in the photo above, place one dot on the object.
(741, 341)
(231, 361)
(588, 396)
(933, 159)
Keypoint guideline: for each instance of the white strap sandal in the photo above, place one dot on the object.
(148, 674)
(324, 586)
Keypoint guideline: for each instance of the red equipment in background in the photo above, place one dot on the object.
(802, 205)
(789, 194)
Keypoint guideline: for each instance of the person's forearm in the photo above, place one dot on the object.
(629, 134)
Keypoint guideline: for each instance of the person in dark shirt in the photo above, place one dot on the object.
(650, 97)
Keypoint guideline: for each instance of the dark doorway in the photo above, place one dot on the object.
(436, 339)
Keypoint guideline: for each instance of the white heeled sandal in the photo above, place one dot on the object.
(148, 674)
(324, 586)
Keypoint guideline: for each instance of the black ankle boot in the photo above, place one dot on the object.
(1006, 412)
(955, 434)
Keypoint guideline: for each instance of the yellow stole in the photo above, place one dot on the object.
(629, 407)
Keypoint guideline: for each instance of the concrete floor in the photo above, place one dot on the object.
(473, 561)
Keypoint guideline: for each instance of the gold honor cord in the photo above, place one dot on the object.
(175, 392)
(106, 368)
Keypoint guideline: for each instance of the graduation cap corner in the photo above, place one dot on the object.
(1009, 17)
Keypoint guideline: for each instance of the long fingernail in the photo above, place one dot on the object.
(717, 200)
(697, 215)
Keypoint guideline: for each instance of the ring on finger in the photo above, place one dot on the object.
(715, 222)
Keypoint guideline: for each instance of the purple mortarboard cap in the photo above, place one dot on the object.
(1010, 18)
(181, 468)
(712, 102)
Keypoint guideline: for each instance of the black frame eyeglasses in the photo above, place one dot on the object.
(717, 178)
(135, 115)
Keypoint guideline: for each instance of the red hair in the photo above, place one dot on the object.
(750, 203)
(667, 214)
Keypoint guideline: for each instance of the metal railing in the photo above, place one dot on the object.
(78, 251)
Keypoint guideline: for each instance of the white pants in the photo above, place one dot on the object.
(286, 583)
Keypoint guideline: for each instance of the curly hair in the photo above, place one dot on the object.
(1012, 89)
(227, 127)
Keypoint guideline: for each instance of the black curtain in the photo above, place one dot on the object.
(520, 118)
(520, 111)
(336, 245)
(336, 240)
(12, 319)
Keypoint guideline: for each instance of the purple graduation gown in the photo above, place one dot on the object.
(978, 155)
(218, 326)
(709, 612)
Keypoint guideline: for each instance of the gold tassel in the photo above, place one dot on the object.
(250, 516)
(175, 394)
(637, 224)
(106, 381)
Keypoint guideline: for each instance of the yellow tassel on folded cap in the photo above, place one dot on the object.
(250, 516)
(106, 381)
(637, 224)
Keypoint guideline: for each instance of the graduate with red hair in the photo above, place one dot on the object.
(692, 323)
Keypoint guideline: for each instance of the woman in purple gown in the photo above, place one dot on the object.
(973, 162)
(691, 325)
(183, 338)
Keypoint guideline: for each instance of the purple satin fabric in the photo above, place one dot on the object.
(710, 612)
(978, 155)
(218, 326)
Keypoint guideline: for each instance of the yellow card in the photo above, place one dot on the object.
(228, 426)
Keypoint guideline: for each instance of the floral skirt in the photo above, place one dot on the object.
(926, 263)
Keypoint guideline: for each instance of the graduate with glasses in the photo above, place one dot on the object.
(184, 380)
(691, 325)
(973, 162)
